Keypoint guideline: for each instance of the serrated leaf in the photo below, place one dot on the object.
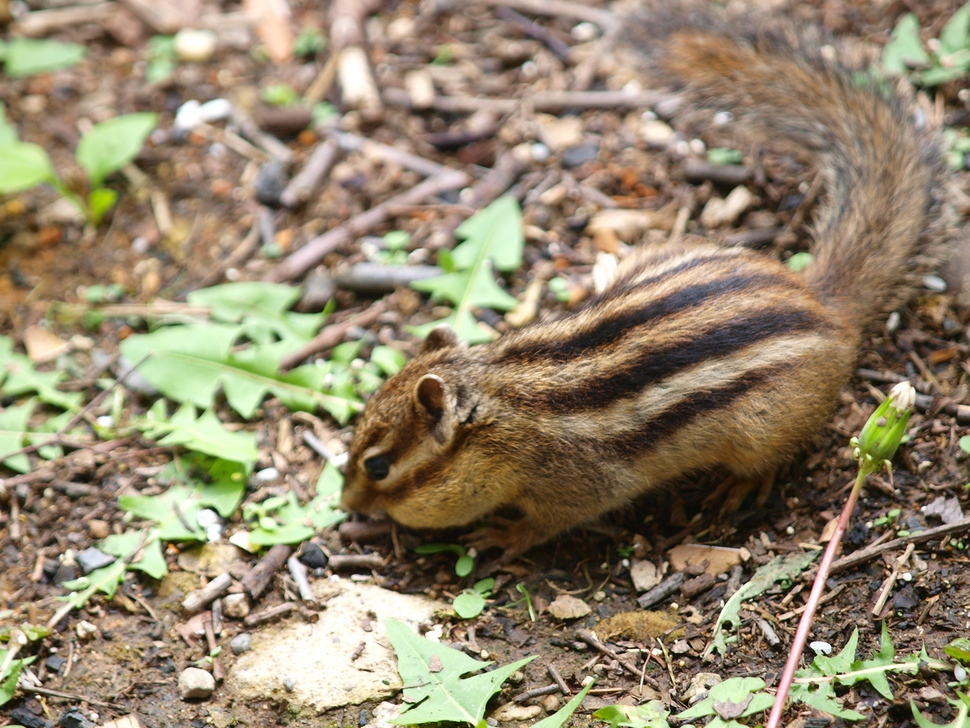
(443, 694)
(293, 523)
(205, 434)
(29, 56)
(104, 580)
(780, 568)
(22, 166)
(494, 233)
(110, 145)
(191, 363)
(822, 697)
(13, 425)
(493, 237)
(652, 714)
(883, 657)
(955, 35)
(262, 308)
(151, 560)
(904, 49)
(18, 376)
(736, 697)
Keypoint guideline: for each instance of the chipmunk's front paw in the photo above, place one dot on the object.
(513, 537)
(735, 489)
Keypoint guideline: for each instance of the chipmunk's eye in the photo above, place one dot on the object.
(378, 467)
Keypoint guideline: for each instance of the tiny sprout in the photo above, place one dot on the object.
(883, 433)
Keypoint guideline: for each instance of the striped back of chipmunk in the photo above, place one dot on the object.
(682, 333)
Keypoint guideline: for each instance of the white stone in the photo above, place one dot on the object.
(195, 684)
(514, 711)
(645, 575)
(718, 212)
(321, 654)
(85, 630)
(193, 45)
(656, 133)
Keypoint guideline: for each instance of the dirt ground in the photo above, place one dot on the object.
(192, 218)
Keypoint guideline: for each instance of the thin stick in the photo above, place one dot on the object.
(314, 251)
(871, 552)
(558, 8)
(551, 101)
(805, 623)
(332, 335)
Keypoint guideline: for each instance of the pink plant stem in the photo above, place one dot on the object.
(805, 623)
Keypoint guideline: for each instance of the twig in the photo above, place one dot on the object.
(664, 589)
(589, 638)
(259, 577)
(503, 174)
(696, 170)
(195, 600)
(557, 678)
(558, 8)
(375, 279)
(536, 692)
(534, 30)
(240, 254)
(338, 562)
(332, 335)
(42, 22)
(64, 696)
(299, 574)
(891, 581)
(266, 615)
(386, 153)
(588, 68)
(551, 101)
(314, 251)
(210, 639)
(303, 184)
(357, 84)
(860, 557)
(267, 142)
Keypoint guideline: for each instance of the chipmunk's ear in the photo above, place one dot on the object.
(439, 338)
(433, 395)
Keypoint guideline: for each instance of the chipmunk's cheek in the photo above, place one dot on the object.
(359, 500)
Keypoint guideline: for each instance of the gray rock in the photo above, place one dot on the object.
(270, 182)
(242, 642)
(575, 156)
(195, 684)
(92, 558)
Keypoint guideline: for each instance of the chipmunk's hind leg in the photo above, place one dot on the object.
(735, 489)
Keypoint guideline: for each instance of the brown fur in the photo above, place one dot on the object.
(697, 357)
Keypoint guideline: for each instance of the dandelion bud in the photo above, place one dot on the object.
(880, 437)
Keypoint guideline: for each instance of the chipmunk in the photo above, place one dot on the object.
(698, 357)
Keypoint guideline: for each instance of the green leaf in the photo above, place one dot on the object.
(883, 657)
(18, 376)
(104, 580)
(492, 237)
(799, 262)
(13, 426)
(389, 359)
(779, 568)
(435, 686)
(557, 719)
(100, 203)
(110, 145)
(469, 604)
(150, 560)
(289, 522)
(262, 308)
(205, 433)
(904, 49)
(22, 166)
(27, 56)
(8, 132)
(650, 715)
(8, 679)
(737, 697)
(190, 363)
(965, 443)
(722, 156)
(955, 35)
(176, 512)
(959, 649)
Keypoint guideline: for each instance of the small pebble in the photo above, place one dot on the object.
(267, 475)
(585, 32)
(235, 606)
(513, 711)
(550, 703)
(289, 683)
(656, 133)
(271, 180)
(242, 642)
(92, 558)
(195, 684)
(575, 156)
(187, 117)
(98, 529)
(85, 630)
(194, 46)
(934, 284)
(312, 556)
(540, 152)
(215, 110)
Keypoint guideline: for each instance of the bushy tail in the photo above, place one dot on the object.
(886, 177)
